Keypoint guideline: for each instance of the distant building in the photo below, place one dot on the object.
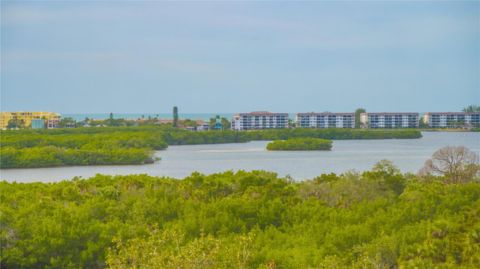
(53, 123)
(38, 124)
(27, 117)
(202, 125)
(259, 120)
(218, 123)
(389, 120)
(165, 121)
(452, 119)
(325, 120)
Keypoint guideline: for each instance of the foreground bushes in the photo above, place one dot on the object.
(300, 144)
(377, 219)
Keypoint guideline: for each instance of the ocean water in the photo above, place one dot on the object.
(180, 161)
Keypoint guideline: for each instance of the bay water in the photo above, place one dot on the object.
(180, 161)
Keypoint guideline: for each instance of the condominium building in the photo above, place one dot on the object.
(259, 120)
(325, 120)
(389, 120)
(452, 119)
(25, 118)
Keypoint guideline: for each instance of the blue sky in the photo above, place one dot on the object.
(134, 56)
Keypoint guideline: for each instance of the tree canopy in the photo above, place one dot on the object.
(472, 108)
(457, 163)
(300, 144)
(375, 219)
(358, 112)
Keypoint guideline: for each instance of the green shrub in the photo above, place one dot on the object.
(241, 220)
(300, 144)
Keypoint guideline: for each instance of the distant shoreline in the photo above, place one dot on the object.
(448, 130)
(103, 116)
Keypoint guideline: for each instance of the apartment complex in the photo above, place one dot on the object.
(452, 119)
(389, 120)
(325, 120)
(25, 118)
(259, 120)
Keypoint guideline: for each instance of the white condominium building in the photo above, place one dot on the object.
(389, 120)
(259, 120)
(325, 120)
(452, 119)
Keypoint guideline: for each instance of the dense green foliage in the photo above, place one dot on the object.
(135, 145)
(36, 149)
(300, 144)
(333, 134)
(377, 219)
(358, 112)
(54, 156)
(471, 109)
(67, 122)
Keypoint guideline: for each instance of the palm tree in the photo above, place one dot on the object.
(175, 116)
(471, 108)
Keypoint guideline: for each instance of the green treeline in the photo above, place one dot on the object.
(31, 149)
(334, 134)
(135, 145)
(375, 219)
(300, 144)
(49, 156)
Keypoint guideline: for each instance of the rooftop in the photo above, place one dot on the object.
(326, 114)
(262, 113)
(452, 113)
(391, 113)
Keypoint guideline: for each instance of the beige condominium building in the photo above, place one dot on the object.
(389, 119)
(51, 119)
(452, 119)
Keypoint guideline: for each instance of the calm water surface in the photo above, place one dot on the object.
(180, 161)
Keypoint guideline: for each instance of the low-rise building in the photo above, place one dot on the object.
(389, 119)
(38, 124)
(452, 119)
(53, 123)
(259, 120)
(325, 120)
(202, 125)
(24, 119)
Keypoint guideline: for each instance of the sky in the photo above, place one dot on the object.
(148, 56)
